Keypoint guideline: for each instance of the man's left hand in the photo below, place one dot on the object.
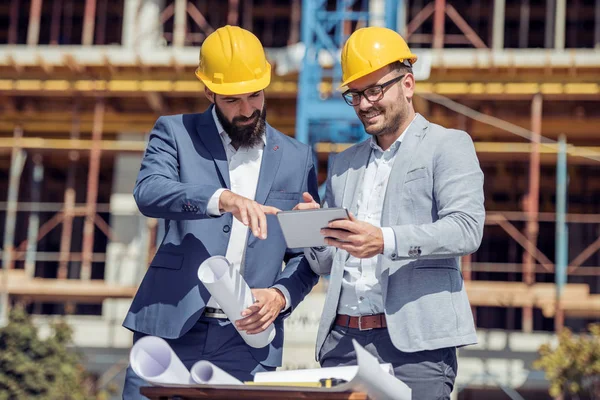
(267, 306)
(359, 238)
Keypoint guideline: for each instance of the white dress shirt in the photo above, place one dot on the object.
(361, 290)
(244, 170)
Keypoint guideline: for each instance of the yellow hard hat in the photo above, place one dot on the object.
(372, 48)
(233, 61)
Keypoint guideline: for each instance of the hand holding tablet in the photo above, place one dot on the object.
(302, 228)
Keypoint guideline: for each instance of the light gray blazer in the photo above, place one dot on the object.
(434, 204)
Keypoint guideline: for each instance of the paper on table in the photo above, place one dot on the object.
(153, 360)
(368, 379)
(232, 293)
(314, 375)
(206, 373)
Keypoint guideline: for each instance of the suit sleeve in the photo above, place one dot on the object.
(297, 278)
(158, 191)
(458, 197)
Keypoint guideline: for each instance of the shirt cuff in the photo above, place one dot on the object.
(389, 241)
(213, 204)
(286, 294)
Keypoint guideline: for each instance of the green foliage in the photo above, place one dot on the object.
(42, 369)
(573, 367)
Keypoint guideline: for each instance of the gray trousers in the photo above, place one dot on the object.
(430, 373)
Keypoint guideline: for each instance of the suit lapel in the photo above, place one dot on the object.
(357, 164)
(207, 130)
(269, 166)
(402, 162)
(268, 170)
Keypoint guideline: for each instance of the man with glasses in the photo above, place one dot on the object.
(415, 194)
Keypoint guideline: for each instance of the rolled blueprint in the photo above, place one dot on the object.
(369, 380)
(153, 360)
(206, 373)
(314, 375)
(232, 293)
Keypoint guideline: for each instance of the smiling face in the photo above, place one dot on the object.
(392, 113)
(243, 117)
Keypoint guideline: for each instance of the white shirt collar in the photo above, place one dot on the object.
(396, 144)
(224, 136)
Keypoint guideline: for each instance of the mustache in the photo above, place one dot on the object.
(253, 117)
(364, 113)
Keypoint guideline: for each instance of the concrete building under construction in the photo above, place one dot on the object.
(82, 82)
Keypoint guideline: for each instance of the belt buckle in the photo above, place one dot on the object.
(360, 328)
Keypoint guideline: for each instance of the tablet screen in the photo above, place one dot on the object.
(302, 228)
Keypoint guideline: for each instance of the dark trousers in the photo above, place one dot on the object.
(211, 340)
(430, 374)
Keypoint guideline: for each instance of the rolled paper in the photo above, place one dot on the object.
(153, 360)
(233, 294)
(206, 373)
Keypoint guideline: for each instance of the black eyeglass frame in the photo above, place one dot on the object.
(358, 94)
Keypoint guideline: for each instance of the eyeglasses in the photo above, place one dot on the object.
(372, 94)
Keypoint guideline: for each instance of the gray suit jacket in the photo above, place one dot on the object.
(434, 204)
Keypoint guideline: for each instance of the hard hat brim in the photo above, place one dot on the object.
(237, 88)
(412, 59)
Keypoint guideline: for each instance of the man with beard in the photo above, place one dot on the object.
(217, 179)
(415, 193)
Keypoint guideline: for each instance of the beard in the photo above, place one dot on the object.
(393, 117)
(242, 132)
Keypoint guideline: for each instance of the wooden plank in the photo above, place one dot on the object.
(247, 393)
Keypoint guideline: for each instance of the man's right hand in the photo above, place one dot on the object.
(309, 203)
(248, 212)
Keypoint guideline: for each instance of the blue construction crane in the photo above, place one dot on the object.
(321, 113)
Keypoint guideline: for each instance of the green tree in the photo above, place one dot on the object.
(573, 367)
(32, 368)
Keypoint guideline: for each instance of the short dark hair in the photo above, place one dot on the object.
(402, 67)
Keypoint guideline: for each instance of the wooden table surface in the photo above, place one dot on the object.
(172, 393)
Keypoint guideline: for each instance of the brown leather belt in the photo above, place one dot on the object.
(363, 322)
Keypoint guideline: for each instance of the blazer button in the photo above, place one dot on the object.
(226, 228)
(393, 255)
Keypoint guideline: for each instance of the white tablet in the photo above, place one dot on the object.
(302, 228)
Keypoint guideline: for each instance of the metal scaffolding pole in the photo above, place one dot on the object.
(34, 218)
(179, 27)
(439, 18)
(16, 168)
(233, 12)
(69, 206)
(498, 29)
(561, 21)
(295, 23)
(92, 190)
(532, 205)
(89, 19)
(33, 30)
(562, 233)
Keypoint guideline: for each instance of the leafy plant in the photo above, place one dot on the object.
(44, 369)
(573, 367)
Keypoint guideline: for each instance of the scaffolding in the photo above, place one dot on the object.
(71, 113)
